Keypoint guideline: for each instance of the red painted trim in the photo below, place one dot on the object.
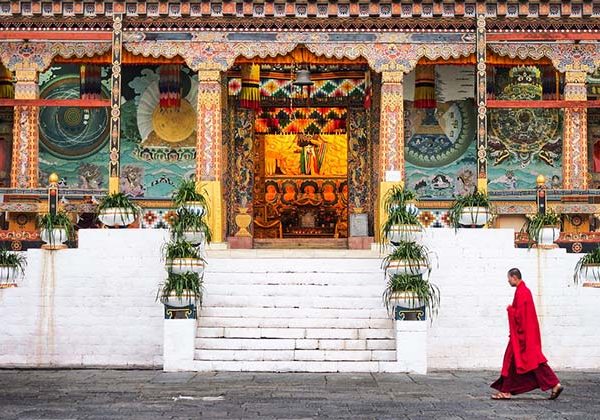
(494, 103)
(72, 103)
(541, 36)
(58, 35)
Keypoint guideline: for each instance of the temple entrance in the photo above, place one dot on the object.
(304, 179)
(300, 146)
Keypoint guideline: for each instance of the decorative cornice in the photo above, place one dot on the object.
(39, 55)
(565, 57)
(344, 9)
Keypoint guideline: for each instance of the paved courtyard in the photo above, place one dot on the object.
(148, 394)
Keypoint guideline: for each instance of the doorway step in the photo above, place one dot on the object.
(301, 243)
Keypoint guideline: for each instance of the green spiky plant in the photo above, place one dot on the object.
(13, 260)
(59, 220)
(395, 204)
(187, 191)
(397, 196)
(120, 201)
(417, 290)
(186, 221)
(591, 258)
(178, 284)
(475, 199)
(416, 255)
(534, 224)
(180, 248)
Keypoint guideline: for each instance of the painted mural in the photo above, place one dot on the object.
(440, 149)
(241, 159)
(594, 146)
(440, 142)
(157, 145)
(321, 155)
(73, 141)
(525, 142)
(359, 155)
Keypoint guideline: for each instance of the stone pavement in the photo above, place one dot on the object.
(151, 394)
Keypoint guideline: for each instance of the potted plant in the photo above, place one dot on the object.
(11, 263)
(543, 228)
(407, 258)
(117, 210)
(182, 289)
(188, 196)
(588, 268)
(190, 226)
(402, 223)
(55, 229)
(181, 257)
(411, 291)
(471, 210)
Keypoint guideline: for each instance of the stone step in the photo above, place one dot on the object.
(371, 278)
(220, 343)
(313, 302)
(294, 366)
(288, 290)
(341, 335)
(227, 322)
(296, 355)
(318, 344)
(246, 311)
(352, 266)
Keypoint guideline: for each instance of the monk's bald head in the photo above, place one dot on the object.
(514, 277)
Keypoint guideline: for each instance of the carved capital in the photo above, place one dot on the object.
(209, 75)
(392, 77)
(575, 76)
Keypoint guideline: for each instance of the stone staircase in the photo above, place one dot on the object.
(295, 314)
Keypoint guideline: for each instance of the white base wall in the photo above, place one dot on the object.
(98, 307)
(90, 306)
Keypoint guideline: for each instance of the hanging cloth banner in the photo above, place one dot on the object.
(90, 82)
(425, 87)
(7, 90)
(368, 90)
(250, 93)
(169, 86)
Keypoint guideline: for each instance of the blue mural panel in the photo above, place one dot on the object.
(157, 145)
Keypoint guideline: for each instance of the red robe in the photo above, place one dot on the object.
(524, 367)
(525, 342)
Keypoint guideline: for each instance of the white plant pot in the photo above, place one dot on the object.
(591, 274)
(474, 216)
(403, 267)
(195, 207)
(54, 237)
(185, 265)
(8, 275)
(405, 300)
(114, 216)
(405, 233)
(548, 235)
(186, 299)
(194, 237)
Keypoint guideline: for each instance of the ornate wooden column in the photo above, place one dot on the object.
(209, 146)
(391, 138)
(575, 156)
(481, 83)
(25, 151)
(114, 169)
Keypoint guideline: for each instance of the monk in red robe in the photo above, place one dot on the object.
(524, 368)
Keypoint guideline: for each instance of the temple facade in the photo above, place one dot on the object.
(296, 117)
